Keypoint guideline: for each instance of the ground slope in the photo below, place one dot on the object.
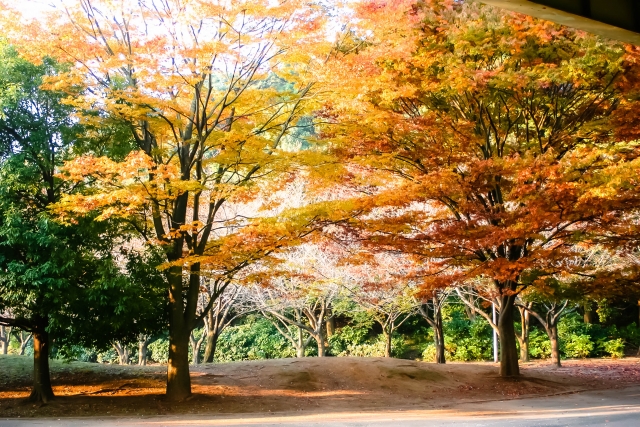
(310, 385)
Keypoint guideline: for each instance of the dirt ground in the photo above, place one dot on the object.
(309, 385)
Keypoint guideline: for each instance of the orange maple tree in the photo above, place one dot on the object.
(492, 137)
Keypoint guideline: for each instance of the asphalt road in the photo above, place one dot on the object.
(616, 408)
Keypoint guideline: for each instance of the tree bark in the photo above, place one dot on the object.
(210, 347)
(123, 352)
(387, 344)
(508, 349)
(5, 338)
(319, 337)
(331, 326)
(41, 391)
(552, 331)
(143, 343)
(438, 333)
(523, 338)
(178, 378)
(24, 341)
(301, 344)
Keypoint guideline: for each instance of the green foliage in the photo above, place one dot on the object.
(539, 345)
(159, 350)
(254, 339)
(465, 340)
(615, 348)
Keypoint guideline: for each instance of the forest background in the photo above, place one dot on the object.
(187, 182)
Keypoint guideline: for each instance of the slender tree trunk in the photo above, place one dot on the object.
(178, 379)
(438, 333)
(508, 348)
(524, 334)
(320, 339)
(300, 344)
(24, 341)
(41, 391)
(5, 338)
(123, 352)
(387, 344)
(552, 331)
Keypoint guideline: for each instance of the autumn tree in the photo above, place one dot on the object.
(210, 92)
(494, 132)
(299, 297)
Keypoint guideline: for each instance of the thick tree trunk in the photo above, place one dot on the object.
(438, 333)
(508, 348)
(41, 391)
(552, 331)
(178, 379)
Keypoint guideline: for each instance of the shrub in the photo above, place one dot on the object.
(255, 339)
(539, 345)
(159, 350)
(575, 345)
(615, 348)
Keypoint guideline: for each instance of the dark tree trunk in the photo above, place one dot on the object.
(438, 333)
(589, 313)
(178, 379)
(41, 391)
(508, 348)
(552, 331)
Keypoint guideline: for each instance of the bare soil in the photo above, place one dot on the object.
(309, 385)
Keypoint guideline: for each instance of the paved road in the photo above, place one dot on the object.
(615, 408)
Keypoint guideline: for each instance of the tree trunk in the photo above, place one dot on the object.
(24, 341)
(438, 333)
(178, 379)
(300, 344)
(387, 344)
(41, 391)
(552, 331)
(143, 342)
(331, 326)
(5, 338)
(320, 339)
(123, 352)
(590, 314)
(524, 334)
(508, 348)
(210, 347)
